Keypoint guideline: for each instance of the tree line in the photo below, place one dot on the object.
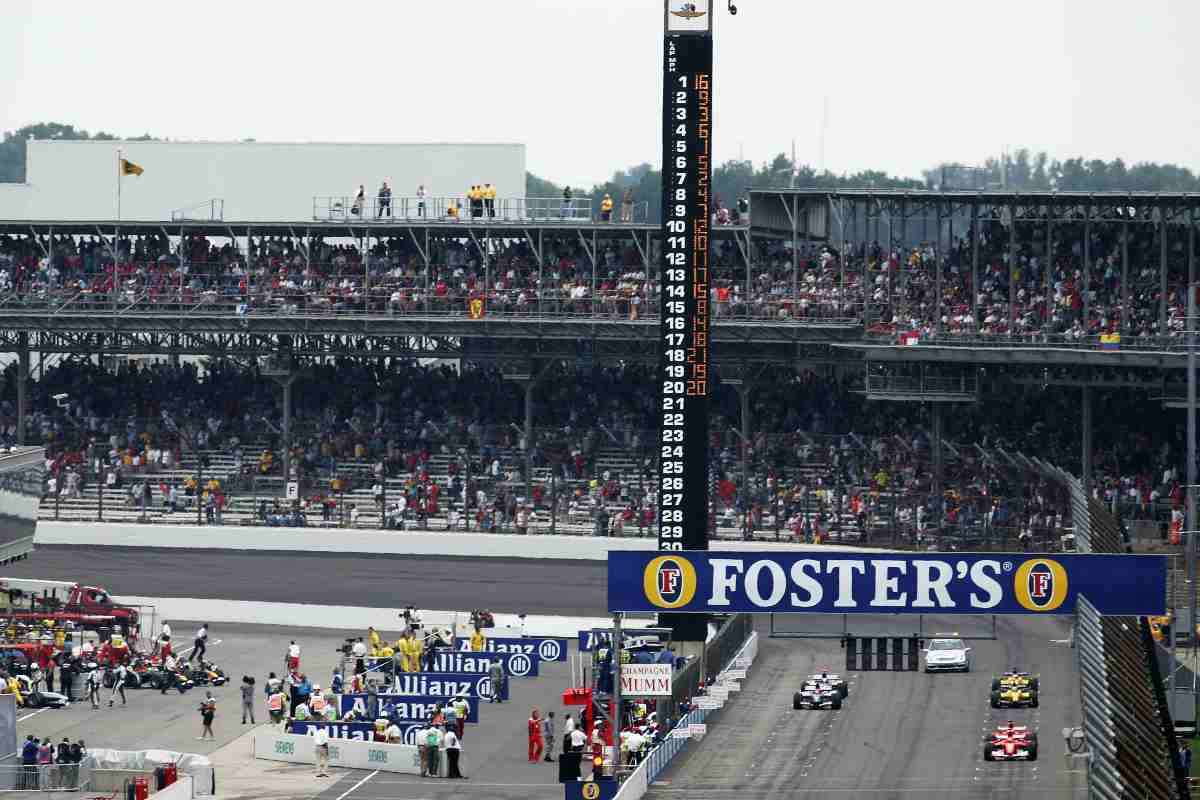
(1021, 169)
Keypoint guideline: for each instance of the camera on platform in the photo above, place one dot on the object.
(63, 399)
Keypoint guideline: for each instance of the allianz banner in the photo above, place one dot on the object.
(516, 665)
(545, 649)
(446, 684)
(405, 708)
(891, 583)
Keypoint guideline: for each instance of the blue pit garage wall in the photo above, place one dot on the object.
(892, 583)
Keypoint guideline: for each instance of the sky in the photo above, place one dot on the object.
(856, 84)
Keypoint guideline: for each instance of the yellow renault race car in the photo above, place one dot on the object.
(1014, 697)
(1015, 679)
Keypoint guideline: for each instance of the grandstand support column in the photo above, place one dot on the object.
(22, 384)
(1085, 461)
(1162, 273)
(287, 428)
(1048, 266)
(937, 265)
(1125, 275)
(1191, 265)
(744, 395)
(1012, 269)
(1191, 445)
(975, 263)
(795, 255)
(529, 390)
(1087, 267)
(938, 465)
(366, 261)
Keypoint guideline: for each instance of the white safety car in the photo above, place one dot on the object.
(947, 654)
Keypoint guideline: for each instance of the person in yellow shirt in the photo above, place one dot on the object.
(489, 200)
(374, 641)
(476, 198)
(410, 660)
(13, 687)
(418, 651)
(477, 641)
(606, 207)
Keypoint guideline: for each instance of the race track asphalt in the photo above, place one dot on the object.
(898, 735)
(570, 588)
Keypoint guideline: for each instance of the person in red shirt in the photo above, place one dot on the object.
(536, 744)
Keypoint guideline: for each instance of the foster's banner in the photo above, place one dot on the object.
(892, 583)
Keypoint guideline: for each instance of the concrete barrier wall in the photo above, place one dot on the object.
(268, 743)
(308, 615)
(110, 780)
(182, 789)
(335, 540)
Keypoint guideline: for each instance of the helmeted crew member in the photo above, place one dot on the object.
(536, 745)
(606, 207)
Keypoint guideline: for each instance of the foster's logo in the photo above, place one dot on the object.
(1040, 584)
(669, 581)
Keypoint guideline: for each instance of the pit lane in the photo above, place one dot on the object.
(898, 734)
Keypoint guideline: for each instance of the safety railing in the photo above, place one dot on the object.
(461, 208)
(897, 334)
(966, 385)
(352, 294)
(44, 777)
(212, 210)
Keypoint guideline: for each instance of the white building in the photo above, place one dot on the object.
(254, 181)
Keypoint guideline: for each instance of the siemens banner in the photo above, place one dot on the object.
(355, 731)
(545, 649)
(893, 583)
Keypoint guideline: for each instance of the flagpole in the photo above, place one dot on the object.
(118, 184)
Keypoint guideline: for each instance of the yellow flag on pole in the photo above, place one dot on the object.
(130, 168)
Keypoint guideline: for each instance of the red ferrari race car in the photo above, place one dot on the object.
(1011, 743)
